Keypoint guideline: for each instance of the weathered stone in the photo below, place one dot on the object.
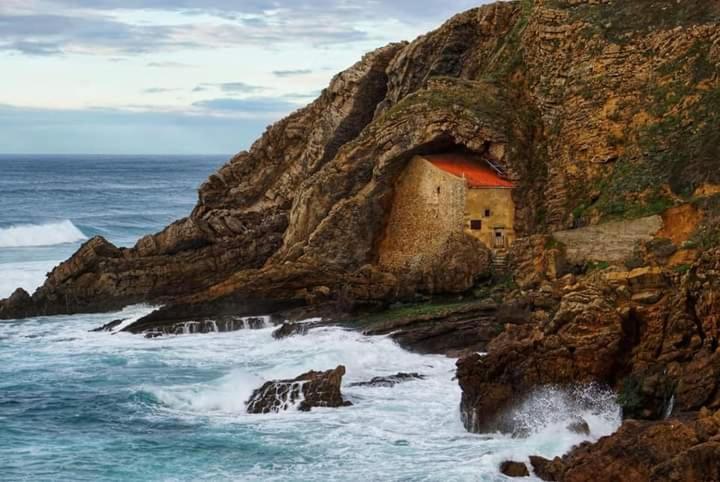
(309, 390)
(108, 326)
(514, 469)
(579, 426)
(389, 381)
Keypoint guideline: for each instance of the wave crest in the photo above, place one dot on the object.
(48, 234)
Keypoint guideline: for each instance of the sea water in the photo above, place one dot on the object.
(79, 405)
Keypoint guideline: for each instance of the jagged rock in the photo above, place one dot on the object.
(450, 329)
(292, 329)
(17, 305)
(647, 297)
(642, 451)
(389, 381)
(514, 469)
(579, 426)
(581, 343)
(545, 469)
(108, 326)
(309, 390)
(554, 93)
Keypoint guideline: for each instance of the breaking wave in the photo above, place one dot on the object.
(40, 235)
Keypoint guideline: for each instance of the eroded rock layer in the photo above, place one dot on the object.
(591, 112)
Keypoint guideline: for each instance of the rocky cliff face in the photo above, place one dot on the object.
(597, 109)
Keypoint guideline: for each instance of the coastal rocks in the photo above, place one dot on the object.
(290, 328)
(309, 390)
(582, 343)
(108, 326)
(389, 381)
(514, 469)
(676, 449)
(579, 426)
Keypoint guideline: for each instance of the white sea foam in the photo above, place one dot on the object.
(28, 275)
(48, 234)
(411, 431)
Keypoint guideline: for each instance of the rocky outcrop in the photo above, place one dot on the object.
(389, 381)
(684, 449)
(309, 390)
(514, 469)
(561, 95)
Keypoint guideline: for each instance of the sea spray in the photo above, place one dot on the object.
(49, 234)
(174, 408)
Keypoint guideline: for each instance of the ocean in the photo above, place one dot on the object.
(82, 406)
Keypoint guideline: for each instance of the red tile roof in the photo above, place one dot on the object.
(477, 173)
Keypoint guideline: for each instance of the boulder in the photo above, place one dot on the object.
(514, 469)
(108, 326)
(290, 328)
(309, 390)
(579, 426)
(389, 381)
(544, 469)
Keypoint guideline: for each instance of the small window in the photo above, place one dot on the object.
(475, 224)
(487, 213)
(438, 190)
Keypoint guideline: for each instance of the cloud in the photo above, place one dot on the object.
(230, 88)
(104, 26)
(168, 65)
(158, 90)
(291, 73)
(253, 105)
(117, 131)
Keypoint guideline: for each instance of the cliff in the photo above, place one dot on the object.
(598, 110)
(594, 112)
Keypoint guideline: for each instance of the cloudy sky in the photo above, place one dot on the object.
(180, 76)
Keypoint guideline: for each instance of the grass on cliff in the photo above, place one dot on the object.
(618, 20)
(707, 234)
(677, 151)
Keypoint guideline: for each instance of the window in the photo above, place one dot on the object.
(487, 213)
(475, 224)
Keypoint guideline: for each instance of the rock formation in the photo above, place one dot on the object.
(564, 95)
(599, 110)
(309, 390)
(389, 381)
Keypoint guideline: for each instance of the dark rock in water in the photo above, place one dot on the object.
(17, 305)
(579, 426)
(291, 329)
(390, 381)
(107, 326)
(311, 389)
(153, 334)
(545, 469)
(514, 469)
(220, 325)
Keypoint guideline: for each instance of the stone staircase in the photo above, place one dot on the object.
(500, 261)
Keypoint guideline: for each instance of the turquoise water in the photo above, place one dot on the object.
(76, 405)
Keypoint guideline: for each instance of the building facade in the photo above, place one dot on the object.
(441, 195)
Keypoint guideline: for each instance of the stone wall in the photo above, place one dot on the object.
(428, 207)
(502, 213)
(613, 242)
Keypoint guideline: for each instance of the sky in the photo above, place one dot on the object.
(180, 76)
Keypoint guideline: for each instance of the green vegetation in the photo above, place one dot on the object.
(553, 243)
(682, 268)
(618, 20)
(630, 396)
(593, 266)
(708, 233)
(633, 190)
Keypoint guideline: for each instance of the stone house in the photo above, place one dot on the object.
(439, 196)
